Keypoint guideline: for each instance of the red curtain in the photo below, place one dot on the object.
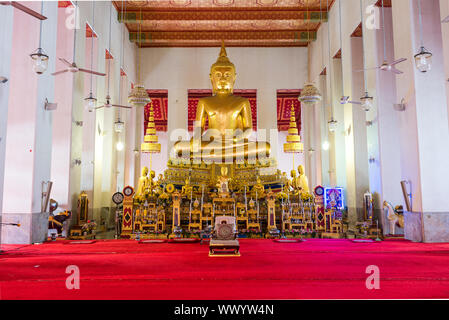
(159, 99)
(285, 99)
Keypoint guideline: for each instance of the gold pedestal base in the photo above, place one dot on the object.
(206, 174)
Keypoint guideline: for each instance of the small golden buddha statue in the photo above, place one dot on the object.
(258, 189)
(151, 184)
(230, 122)
(187, 189)
(293, 183)
(303, 182)
(143, 185)
(223, 181)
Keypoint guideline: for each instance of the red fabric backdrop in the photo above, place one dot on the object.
(194, 95)
(285, 98)
(159, 99)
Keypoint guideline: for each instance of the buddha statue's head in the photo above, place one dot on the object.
(144, 171)
(222, 73)
(293, 173)
(152, 174)
(301, 170)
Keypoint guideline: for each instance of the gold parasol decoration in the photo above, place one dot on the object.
(150, 144)
(293, 144)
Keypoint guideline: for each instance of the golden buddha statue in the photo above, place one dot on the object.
(143, 185)
(223, 181)
(187, 189)
(258, 189)
(230, 122)
(151, 184)
(293, 184)
(303, 181)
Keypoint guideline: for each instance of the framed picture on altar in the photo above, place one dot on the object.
(334, 198)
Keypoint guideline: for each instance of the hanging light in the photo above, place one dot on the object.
(332, 124)
(423, 59)
(40, 61)
(310, 94)
(139, 96)
(367, 101)
(325, 145)
(118, 126)
(119, 146)
(90, 102)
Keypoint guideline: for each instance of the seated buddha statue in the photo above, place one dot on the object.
(258, 190)
(293, 184)
(229, 122)
(223, 181)
(151, 187)
(187, 189)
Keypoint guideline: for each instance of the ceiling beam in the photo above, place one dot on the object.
(136, 16)
(218, 43)
(292, 36)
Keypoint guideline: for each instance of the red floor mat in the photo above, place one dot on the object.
(314, 269)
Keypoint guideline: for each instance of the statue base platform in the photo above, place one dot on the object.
(199, 174)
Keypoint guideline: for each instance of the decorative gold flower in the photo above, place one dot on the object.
(170, 188)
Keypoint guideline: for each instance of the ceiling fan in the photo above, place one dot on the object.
(23, 8)
(72, 67)
(345, 100)
(385, 66)
(108, 104)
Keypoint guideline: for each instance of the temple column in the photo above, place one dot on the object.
(323, 144)
(444, 12)
(424, 132)
(357, 179)
(6, 32)
(177, 123)
(29, 128)
(267, 118)
(382, 121)
(62, 116)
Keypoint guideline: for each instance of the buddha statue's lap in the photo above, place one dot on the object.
(230, 122)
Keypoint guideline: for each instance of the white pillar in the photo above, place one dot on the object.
(424, 126)
(383, 130)
(354, 115)
(28, 147)
(6, 32)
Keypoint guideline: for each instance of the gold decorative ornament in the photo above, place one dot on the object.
(170, 188)
(293, 144)
(138, 96)
(310, 94)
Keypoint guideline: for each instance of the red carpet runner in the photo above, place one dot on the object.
(315, 269)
